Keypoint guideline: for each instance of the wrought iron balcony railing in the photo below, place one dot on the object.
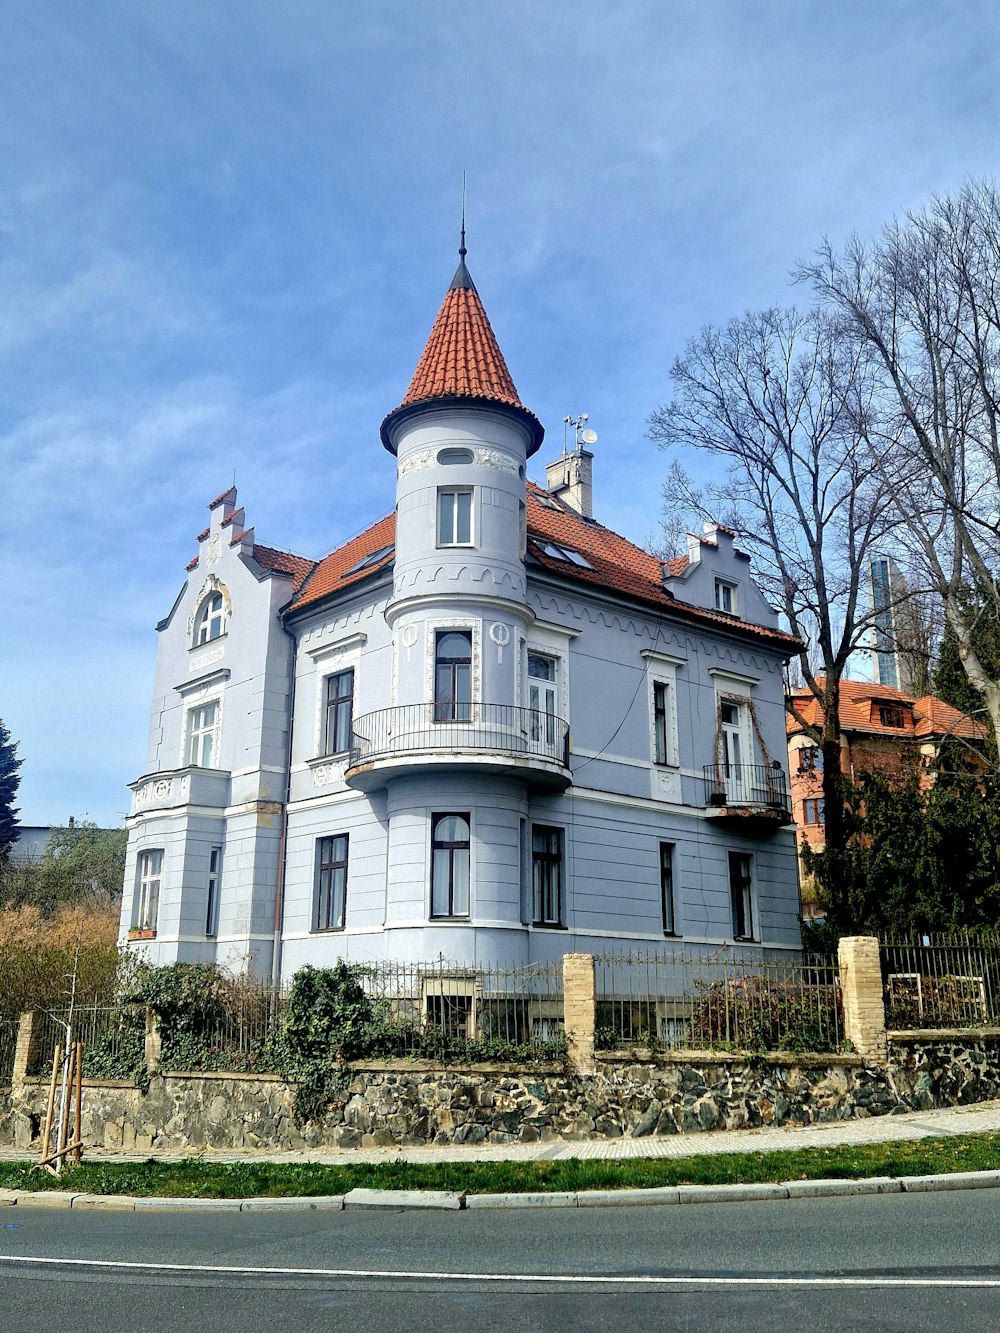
(475, 728)
(746, 785)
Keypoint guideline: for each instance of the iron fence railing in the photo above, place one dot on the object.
(113, 1037)
(438, 728)
(935, 981)
(746, 784)
(731, 1000)
(237, 1035)
(452, 1011)
(8, 1045)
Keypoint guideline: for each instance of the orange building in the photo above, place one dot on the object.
(883, 731)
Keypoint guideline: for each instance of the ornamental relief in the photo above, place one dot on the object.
(427, 458)
(157, 789)
(324, 775)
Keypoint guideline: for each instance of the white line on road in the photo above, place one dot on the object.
(572, 1279)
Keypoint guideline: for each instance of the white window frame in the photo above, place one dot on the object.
(434, 818)
(148, 886)
(191, 730)
(447, 524)
(543, 697)
(722, 588)
(204, 617)
(325, 739)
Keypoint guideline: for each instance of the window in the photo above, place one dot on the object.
(455, 517)
(331, 882)
(727, 597)
(566, 553)
(667, 888)
(731, 722)
(338, 710)
(810, 759)
(812, 811)
(450, 865)
(202, 727)
(740, 885)
(542, 697)
(146, 906)
(212, 899)
(546, 875)
(368, 561)
(455, 457)
(211, 619)
(661, 714)
(453, 676)
(890, 716)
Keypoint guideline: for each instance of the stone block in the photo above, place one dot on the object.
(319, 1204)
(553, 1200)
(627, 1198)
(821, 1189)
(729, 1193)
(403, 1199)
(109, 1203)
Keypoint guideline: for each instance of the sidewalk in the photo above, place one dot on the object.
(981, 1118)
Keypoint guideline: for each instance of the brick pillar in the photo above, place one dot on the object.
(579, 1000)
(27, 1037)
(153, 1042)
(861, 985)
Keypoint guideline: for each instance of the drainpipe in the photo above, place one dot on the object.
(279, 897)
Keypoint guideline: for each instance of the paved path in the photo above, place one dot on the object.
(981, 1118)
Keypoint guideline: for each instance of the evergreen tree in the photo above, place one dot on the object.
(950, 681)
(10, 780)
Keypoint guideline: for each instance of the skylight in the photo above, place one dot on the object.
(367, 561)
(565, 553)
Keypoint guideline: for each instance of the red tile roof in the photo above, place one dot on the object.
(330, 574)
(283, 562)
(618, 565)
(923, 718)
(462, 358)
(224, 496)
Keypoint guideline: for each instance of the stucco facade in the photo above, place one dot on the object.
(487, 729)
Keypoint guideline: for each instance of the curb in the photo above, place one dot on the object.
(410, 1200)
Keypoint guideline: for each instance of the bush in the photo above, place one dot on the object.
(754, 1013)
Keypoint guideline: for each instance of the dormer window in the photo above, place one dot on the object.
(890, 716)
(727, 597)
(211, 619)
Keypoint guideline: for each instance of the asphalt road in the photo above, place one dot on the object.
(906, 1262)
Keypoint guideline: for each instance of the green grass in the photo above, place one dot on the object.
(196, 1177)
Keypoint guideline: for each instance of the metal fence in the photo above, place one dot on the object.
(935, 981)
(113, 1037)
(451, 1011)
(731, 1000)
(8, 1044)
(491, 728)
(745, 784)
(238, 1034)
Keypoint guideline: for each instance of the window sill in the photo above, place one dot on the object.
(672, 935)
(548, 925)
(327, 930)
(745, 939)
(450, 918)
(142, 934)
(193, 648)
(327, 758)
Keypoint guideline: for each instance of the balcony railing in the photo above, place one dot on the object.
(436, 728)
(747, 786)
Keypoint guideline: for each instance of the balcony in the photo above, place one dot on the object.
(488, 738)
(751, 797)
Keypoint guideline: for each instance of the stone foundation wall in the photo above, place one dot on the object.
(407, 1103)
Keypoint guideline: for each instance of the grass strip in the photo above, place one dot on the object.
(199, 1178)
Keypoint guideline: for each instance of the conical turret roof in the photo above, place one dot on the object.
(462, 360)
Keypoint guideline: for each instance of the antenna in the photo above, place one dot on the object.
(581, 436)
(462, 252)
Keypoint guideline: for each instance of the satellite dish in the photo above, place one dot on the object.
(588, 436)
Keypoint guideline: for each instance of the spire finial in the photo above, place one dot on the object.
(462, 252)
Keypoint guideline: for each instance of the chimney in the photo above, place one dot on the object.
(571, 477)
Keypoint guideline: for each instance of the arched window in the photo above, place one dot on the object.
(211, 619)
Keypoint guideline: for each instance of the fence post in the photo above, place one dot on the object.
(861, 987)
(27, 1037)
(153, 1042)
(579, 1004)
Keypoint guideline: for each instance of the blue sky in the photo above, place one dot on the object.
(226, 227)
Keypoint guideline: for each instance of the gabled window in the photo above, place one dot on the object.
(453, 676)
(667, 888)
(202, 732)
(546, 875)
(338, 712)
(212, 897)
(331, 882)
(727, 597)
(146, 904)
(211, 619)
(741, 894)
(451, 850)
(454, 521)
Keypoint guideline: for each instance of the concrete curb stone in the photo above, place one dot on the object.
(364, 1198)
(319, 1203)
(164, 1202)
(729, 1193)
(964, 1180)
(109, 1203)
(823, 1189)
(628, 1198)
(552, 1200)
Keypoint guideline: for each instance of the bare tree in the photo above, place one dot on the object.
(778, 396)
(923, 303)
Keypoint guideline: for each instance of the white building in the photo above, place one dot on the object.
(487, 729)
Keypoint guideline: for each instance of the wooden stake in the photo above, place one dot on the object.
(56, 1062)
(79, 1101)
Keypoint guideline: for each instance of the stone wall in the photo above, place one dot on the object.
(404, 1103)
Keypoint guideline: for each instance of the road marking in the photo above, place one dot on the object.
(571, 1279)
